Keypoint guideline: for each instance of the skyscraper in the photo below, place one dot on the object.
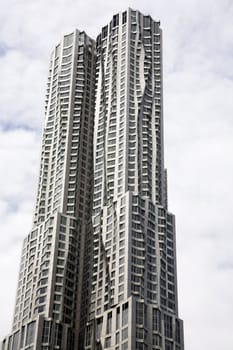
(98, 269)
(48, 300)
(134, 289)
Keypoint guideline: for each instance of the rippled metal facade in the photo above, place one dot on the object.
(98, 269)
(134, 286)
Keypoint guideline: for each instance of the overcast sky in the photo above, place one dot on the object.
(198, 113)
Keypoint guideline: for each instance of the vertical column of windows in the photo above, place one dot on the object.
(78, 146)
(168, 268)
(163, 265)
(99, 171)
(122, 110)
(112, 65)
(41, 206)
(27, 279)
(146, 106)
(64, 93)
(75, 125)
(151, 254)
(141, 326)
(20, 287)
(171, 268)
(158, 113)
(132, 141)
(41, 275)
(138, 247)
(61, 120)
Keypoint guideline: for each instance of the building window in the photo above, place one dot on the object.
(88, 335)
(16, 341)
(117, 338)
(124, 17)
(30, 333)
(58, 335)
(168, 326)
(124, 334)
(156, 320)
(157, 340)
(107, 342)
(139, 313)
(109, 323)
(124, 346)
(46, 332)
(125, 314)
(118, 318)
(99, 327)
(178, 332)
(168, 345)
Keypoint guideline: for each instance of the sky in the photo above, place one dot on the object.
(198, 118)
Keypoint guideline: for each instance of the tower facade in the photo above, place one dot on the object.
(48, 301)
(134, 285)
(98, 269)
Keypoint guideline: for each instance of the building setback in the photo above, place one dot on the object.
(98, 269)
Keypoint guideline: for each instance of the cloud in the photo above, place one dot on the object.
(198, 105)
(22, 90)
(19, 155)
(19, 151)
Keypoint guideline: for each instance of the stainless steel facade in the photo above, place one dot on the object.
(48, 301)
(134, 286)
(98, 270)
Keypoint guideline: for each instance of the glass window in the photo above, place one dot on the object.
(139, 313)
(124, 314)
(124, 334)
(109, 323)
(107, 342)
(168, 326)
(30, 333)
(99, 327)
(124, 346)
(22, 337)
(156, 320)
(118, 318)
(115, 20)
(46, 332)
(58, 335)
(124, 17)
(68, 39)
(88, 336)
(168, 345)
(117, 338)
(16, 341)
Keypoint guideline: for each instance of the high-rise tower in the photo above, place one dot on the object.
(134, 289)
(48, 300)
(98, 269)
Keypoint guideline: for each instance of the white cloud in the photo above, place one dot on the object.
(19, 155)
(22, 89)
(198, 86)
